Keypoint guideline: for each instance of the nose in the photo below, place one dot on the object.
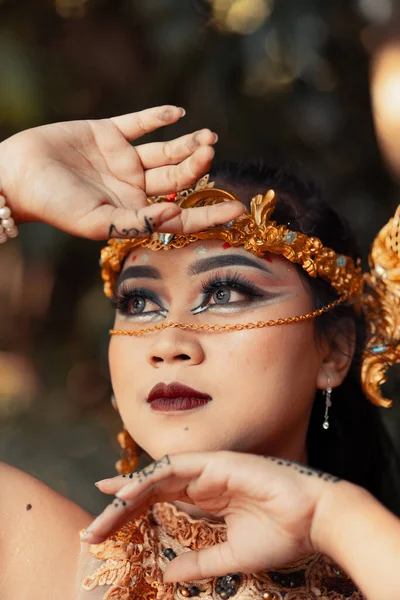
(173, 346)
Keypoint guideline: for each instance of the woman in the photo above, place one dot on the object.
(255, 391)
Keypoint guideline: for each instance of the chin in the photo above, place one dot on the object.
(175, 446)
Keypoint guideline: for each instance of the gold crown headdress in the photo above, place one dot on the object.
(257, 233)
(382, 310)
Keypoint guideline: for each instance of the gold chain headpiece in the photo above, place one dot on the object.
(257, 233)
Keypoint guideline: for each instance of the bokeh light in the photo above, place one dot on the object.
(241, 16)
(71, 9)
(378, 12)
(386, 102)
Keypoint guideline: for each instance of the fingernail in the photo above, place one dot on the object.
(216, 138)
(97, 483)
(183, 112)
(107, 479)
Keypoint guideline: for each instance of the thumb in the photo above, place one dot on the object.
(210, 562)
(108, 221)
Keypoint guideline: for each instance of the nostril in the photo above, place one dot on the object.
(183, 357)
(157, 359)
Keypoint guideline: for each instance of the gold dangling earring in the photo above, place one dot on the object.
(130, 451)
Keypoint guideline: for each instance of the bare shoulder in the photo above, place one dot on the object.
(39, 538)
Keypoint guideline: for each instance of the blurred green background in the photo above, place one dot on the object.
(289, 80)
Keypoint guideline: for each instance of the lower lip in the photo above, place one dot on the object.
(177, 404)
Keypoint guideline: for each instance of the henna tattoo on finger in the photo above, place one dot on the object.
(147, 229)
(118, 502)
(153, 467)
(304, 469)
(148, 226)
(130, 475)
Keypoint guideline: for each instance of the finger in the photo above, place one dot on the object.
(112, 485)
(191, 220)
(158, 154)
(210, 562)
(136, 124)
(163, 479)
(108, 221)
(179, 177)
(122, 509)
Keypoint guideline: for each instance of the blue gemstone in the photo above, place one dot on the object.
(229, 224)
(290, 237)
(341, 261)
(379, 349)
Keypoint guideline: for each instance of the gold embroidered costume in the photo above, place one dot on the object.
(133, 561)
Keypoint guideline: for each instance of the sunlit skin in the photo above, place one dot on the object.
(262, 382)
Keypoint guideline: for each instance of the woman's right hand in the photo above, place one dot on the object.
(85, 177)
(269, 506)
(275, 510)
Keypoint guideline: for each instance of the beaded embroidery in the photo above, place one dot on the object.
(134, 562)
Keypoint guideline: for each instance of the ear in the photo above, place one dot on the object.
(337, 355)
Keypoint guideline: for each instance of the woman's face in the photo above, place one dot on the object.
(256, 386)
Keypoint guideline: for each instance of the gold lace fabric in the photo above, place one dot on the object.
(133, 564)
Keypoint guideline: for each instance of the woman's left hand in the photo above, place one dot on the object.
(86, 178)
(268, 505)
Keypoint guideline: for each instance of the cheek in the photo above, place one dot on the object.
(269, 367)
(125, 364)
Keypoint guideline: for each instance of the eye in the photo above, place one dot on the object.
(136, 305)
(228, 291)
(137, 302)
(223, 295)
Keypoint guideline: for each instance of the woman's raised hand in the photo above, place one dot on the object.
(84, 177)
(269, 506)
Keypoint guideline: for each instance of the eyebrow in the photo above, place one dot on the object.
(139, 271)
(226, 260)
(200, 266)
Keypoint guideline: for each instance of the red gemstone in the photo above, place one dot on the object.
(268, 259)
(226, 245)
(171, 197)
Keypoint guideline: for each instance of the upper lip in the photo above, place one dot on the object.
(174, 390)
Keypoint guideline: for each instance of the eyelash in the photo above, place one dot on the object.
(126, 293)
(233, 281)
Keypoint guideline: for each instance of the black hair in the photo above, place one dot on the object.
(353, 447)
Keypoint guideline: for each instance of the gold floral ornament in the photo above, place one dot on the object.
(382, 310)
(254, 230)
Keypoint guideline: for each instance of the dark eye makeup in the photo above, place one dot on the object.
(217, 290)
(132, 300)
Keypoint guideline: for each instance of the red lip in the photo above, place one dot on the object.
(175, 397)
